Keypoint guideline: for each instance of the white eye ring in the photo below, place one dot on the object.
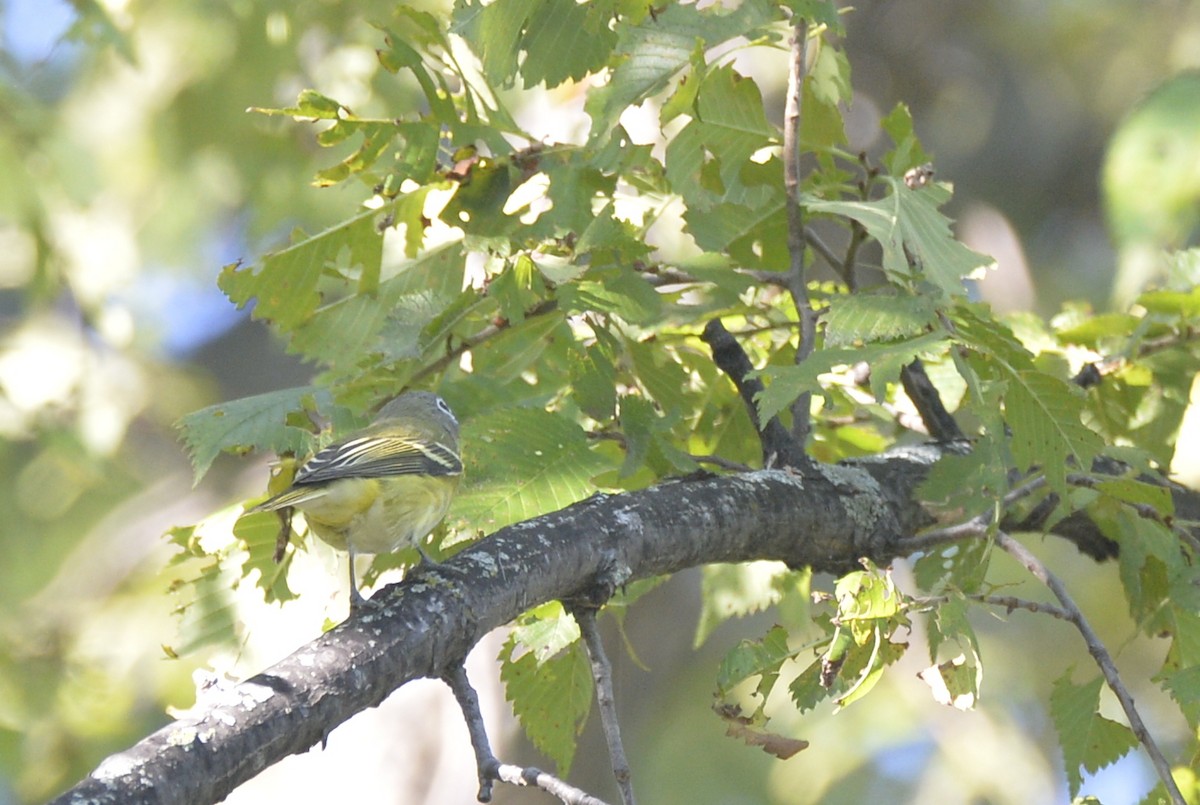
(445, 408)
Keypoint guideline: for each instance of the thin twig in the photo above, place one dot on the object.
(796, 240)
(1009, 602)
(719, 461)
(486, 763)
(486, 334)
(489, 768)
(1099, 654)
(605, 701)
(529, 775)
(975, 527)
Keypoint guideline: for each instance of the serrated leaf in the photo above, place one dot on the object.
(621, 292)
(734, 591)
(866, 318)
(963, 565)
(659, 46)
(522, 462)
(258, 422)
(545, 630)
(565, 40)
(1088, 739)
(551, 699)
(1044, 413)
(907, 152)
(763, 658)
(259, 533)
(285, 285)
(907, 223)
(1131, 490)
(956, 682)
(788, 382)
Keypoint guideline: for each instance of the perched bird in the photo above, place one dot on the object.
(383, 488)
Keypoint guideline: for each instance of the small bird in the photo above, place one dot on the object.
(384, 487)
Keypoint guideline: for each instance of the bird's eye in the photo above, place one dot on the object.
(445, 408)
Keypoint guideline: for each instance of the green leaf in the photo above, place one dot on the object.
(522, 462)
(867, 317)
(648, 441)
(730, 124)
(258, 422)
(1131, 490)
(750, 658)
(907, 223)
(566, 40)
(545, 630)
(957, 682)
(258, 533)
(734, 591)
(1088, 739)
(651, 52)
(619, 291)
(551, 698)
(593, 382)
(907, 152)
(285, 285)
(1044, 413)
(963, 565)
(788, 382)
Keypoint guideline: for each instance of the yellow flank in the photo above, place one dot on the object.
(353, 509)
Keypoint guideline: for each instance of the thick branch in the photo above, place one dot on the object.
(826, 517)
(822, 516)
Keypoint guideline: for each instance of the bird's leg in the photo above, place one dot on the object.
(356, 599)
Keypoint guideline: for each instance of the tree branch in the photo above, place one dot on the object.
(920, 389)
(779, 447)
(822, 516)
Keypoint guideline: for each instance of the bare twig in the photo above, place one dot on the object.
(779, 447)
(796, 240)
(489, 767)
(485, 762)
(529, 775)
(605, 701)
(1009, 603)
(975, 527)
(486, 334)
(1099, 654)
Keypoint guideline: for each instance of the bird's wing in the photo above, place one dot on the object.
(379, 456)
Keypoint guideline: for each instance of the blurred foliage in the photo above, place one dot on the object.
(495, 225)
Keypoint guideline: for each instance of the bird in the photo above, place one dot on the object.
(384, 487)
